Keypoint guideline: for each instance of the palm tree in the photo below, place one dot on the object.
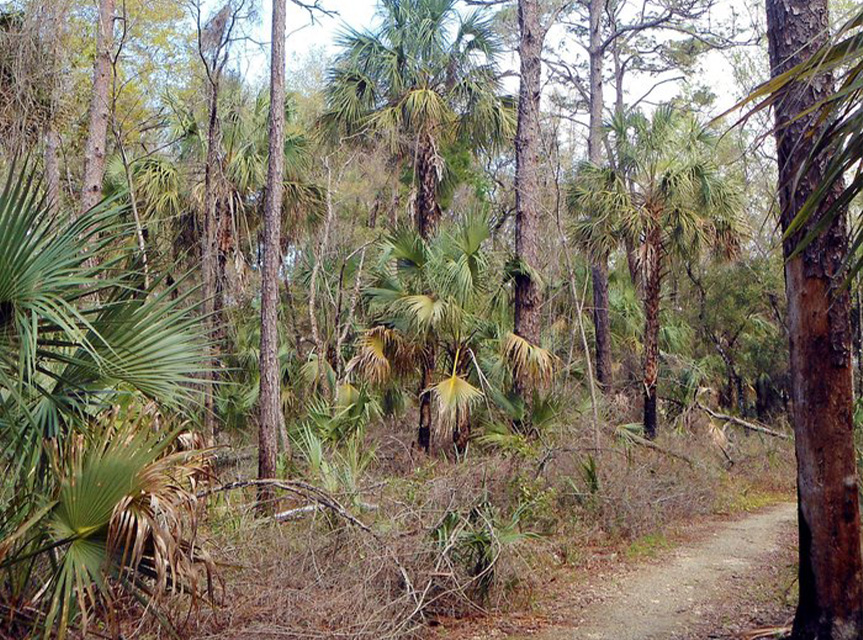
(72, 482)
(440, 294)
(423, 79)
(665, 193)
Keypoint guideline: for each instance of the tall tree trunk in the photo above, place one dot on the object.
(527, 193)
(652, 292)
(209, 257)
(270, 416)
(97, 133)
(427, 215)
(55, 15)
(830, 568)
(599, 269)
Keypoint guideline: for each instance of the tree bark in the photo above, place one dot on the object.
(427, 213)
(209, 257)
(599, 269)
(830, 569)
(652, 291)
(425, 418)
(270, 397)
(527, 193)
(97, 132)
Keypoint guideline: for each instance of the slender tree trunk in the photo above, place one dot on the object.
(527, 193)
(652, 291)
(599, 270)
(97, 133)
(270, 399)
(209, 258)
(52, 167)
(830, 568)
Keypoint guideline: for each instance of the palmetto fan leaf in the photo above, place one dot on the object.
(424, 73)
(121, 510)
(65, 353)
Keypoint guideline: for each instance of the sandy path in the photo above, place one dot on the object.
(668, 600)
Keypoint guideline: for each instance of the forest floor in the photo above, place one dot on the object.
(716, 578)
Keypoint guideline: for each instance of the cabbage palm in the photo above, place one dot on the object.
(440, 296)
(424, 78)
(668, 195)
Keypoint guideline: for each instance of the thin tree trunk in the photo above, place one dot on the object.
(209, 249)
(52, 168)
(270, 397)
(652, 290)
(97, 132)
(599, 269)
(830, 568)
(527, 192)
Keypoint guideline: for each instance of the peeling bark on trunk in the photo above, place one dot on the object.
(599, 270)
(97, 132)
(527, 193)
(652, 291)
(830, 568)
(270, 398)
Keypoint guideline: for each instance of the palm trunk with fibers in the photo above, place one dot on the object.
(652, 292)
(599, 268)
(527, 215)
(97, 132)
(270, 398)
(427, 211)
(427, 217)
(830, 568)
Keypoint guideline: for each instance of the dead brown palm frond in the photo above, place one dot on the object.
(381, 352)
(530, 363)
(124, 517)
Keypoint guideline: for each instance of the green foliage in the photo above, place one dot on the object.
(78, 336)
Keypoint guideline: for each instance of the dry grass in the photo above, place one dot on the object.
(448, 539)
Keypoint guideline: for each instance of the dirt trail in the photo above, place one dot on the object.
(671, 600)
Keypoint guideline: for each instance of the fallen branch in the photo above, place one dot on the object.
(323, 500)
(742, 423)
(650, 444)
(299, 512)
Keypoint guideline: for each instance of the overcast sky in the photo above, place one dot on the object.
(306, 39)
